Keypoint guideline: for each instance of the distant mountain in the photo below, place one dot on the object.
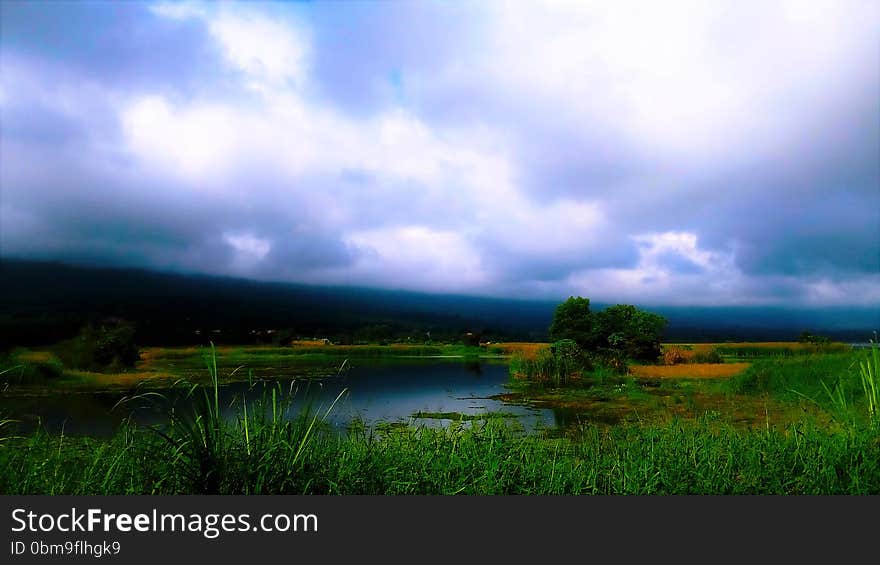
(43, 302)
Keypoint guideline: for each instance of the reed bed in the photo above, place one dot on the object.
(493, 458)
(523, 350)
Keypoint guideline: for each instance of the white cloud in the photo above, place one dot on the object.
(654, 246)
(416, 257)
(653, 280)
(459, 178)
(683, 78)
(179, 10)
(270, 52)
(249, 249)
(197, 141)
(860, 291)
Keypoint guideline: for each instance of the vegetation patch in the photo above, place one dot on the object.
(689, 371)
(521, 350)
(459, 417)
(776, 349)
(702, 457)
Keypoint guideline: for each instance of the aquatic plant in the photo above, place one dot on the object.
(869, 371)
(205, 444)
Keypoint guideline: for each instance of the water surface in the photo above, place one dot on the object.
(372, 392)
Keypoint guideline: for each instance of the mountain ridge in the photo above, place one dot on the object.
(42, 301)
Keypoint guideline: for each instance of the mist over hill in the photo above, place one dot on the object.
(42, 302)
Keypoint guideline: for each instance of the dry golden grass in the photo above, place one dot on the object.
(310, 343)
(526, 350)
(704, 347)
(689, 371)
(150, 353)
(35, 356)
(790, 344)
(675, 354)
(118, 379)
(307, 343)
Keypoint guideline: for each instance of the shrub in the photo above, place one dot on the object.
(675, 355)
(562, 362)
(107, 346)
(471, 339)
(614, 360)
(711, 356)
(28, 371)
(567, 351)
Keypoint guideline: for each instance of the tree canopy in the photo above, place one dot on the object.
(621, 330)
(573, 320)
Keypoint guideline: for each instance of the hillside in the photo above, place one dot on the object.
(44, 302)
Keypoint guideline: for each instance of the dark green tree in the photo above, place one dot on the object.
(809, 337)
(634, 333)
(106, 346)
(471, 338)
(573, 320)
(614, 335)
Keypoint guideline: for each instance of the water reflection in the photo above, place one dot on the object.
(373, 393)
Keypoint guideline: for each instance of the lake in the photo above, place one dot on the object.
(373, 392)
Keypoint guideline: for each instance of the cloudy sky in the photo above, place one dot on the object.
(656, 153)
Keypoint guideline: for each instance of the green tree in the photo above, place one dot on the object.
(615, 334)
(626, 329)
(106, 346)
(808, 337)
(573, 320)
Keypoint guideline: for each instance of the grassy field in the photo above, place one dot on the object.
(687, 458)
(160, 367)
(780, 424)
(763, 349)
(525, 350)
(689, 371)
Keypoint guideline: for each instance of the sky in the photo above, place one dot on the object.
(675, 153)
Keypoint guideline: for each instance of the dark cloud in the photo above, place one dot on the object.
(678, 263)
(544, 164)
(118, 44)
(512, 266)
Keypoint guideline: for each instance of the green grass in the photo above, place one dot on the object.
(556, 370)
(350, 351)
(751, 351)
(686, 458)
(203, 443)
(307, 361)
(161, 367)
(20, 367)
(792, 377)
(840, 395)
(842, 383)
(869, 373)
(781, 390)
